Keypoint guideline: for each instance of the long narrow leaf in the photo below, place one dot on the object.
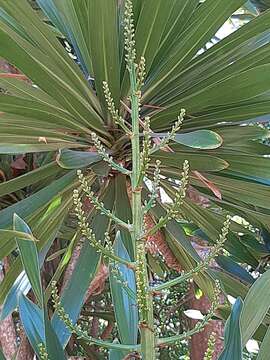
(233, 342)
(256, 305)
(125, 306)
(29, 256)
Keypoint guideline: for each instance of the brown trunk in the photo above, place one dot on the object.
(25, 351)
(8, 338)
(72, 263)
(199, 342)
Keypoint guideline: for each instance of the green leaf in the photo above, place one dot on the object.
(123, 211)
(32, 319)
(16, 282)
(251, 165)
(211, 223)
(103, 45)
(265, 347)
(152, 18)
(246, 85)
(69, 159)
(180, 16)
(125, 307)
(66, 21)
(29, 256)
(53, 346)
(231, 285)
(38, 329)
(240, 190)
(20, 286)
(198, 162)
(30, 260)
(28, 206)
(233, 342)
(73, 295)
(117, 355)
(230, 266)
(230, 134)
(32, 148)
(30, 178)
(2, 356)
(150, 28)
(256, 305)
(200, 139)
(205, 22)
(45, 61)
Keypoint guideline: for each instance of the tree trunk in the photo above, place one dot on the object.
(199, 342)
(25, 351)
(8, 337)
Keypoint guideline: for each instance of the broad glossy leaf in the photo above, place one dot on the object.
(233, 342)
(200, 139)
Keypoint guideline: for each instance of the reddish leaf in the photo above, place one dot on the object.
(215, 190)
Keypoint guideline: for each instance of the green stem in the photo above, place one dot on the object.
(145, 300)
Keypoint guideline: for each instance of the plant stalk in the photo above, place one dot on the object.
(145, 300)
